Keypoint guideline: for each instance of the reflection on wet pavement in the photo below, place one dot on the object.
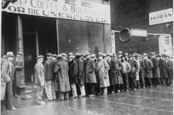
(149, 101)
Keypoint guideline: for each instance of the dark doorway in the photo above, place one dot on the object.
(29, 56)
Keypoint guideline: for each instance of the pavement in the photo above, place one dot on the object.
(149, 101)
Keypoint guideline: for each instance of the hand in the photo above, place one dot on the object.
(42, 83)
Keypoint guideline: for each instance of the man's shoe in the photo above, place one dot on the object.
(118, 91)
(13, 109)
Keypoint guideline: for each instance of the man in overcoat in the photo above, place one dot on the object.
(155, 69)
(73, 70)
(19, 73)
(7, 76)
(61, 69)
(81, 74)
(148, 69)
(102, 69)
(90, 76)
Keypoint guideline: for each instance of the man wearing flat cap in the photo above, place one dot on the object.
(39, 79)
(7, 76)
(81, 74)
(19, 73)
(49, 77)
(61, 71)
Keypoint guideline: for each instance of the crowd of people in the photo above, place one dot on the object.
(64, 76)
(76, 75)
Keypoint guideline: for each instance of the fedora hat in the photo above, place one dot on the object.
(10, 54)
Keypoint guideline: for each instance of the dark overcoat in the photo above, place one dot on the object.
(19, 73)
(81, 71)
(155, 69)
(148, 68)
(115, 73)
(61, 68)
(162, 66)
(73, 70)
(49, 70)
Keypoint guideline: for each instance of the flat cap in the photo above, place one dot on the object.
(19, 53)
(54, 55)
(64, 54)
(49, 54)
(40, 56)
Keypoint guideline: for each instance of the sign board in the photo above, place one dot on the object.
(165, 45)
(66, 9)
(162, 16)
(138, 32)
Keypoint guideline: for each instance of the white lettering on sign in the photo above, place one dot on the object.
(95, 13)
(162, 16)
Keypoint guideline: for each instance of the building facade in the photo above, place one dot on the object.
(135, 14)
(36, 27)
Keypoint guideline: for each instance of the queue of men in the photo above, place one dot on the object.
(70, 76)
(62, 76)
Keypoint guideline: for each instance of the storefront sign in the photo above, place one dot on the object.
(74, 10)
(162, 16)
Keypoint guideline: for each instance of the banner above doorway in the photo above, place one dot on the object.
(81, 10)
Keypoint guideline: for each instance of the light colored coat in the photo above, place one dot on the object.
(102, 69)
(39, 73)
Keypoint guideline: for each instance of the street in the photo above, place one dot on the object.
(148, 101)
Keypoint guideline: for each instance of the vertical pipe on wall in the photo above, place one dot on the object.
(57, 31)
(37, 42)
(19, 34)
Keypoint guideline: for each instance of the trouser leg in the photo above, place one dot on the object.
(74, 90)
(48, 89)
(53, 89)
(134, 84)
(39, 93)
(105, 90)
(82, 90)
(61, 95)
(9, 95)
(66, 95)
(150, 82)
(92, 87)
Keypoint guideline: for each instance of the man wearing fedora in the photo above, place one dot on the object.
(7, 74)
(39, 79)
(19, 73)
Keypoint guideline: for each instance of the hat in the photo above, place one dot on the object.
(114, 55)
(64, 54)
(4, 56)
(49, 54)
(10, 54)
(120, 52)
(19, 53)
(77, 54)
(70, 53)
(93, 56)
(71, 56)
(40, 56)
(109, 54)
(104, 55)
(158, 55)
(59, 56)
(100, 54)
(54, 55)
(144, 54)
(152, 53)
(130, 55)
(87, 54)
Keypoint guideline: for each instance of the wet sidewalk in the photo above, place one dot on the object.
(149, 101)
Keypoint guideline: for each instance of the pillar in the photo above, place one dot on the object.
(21, 88)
